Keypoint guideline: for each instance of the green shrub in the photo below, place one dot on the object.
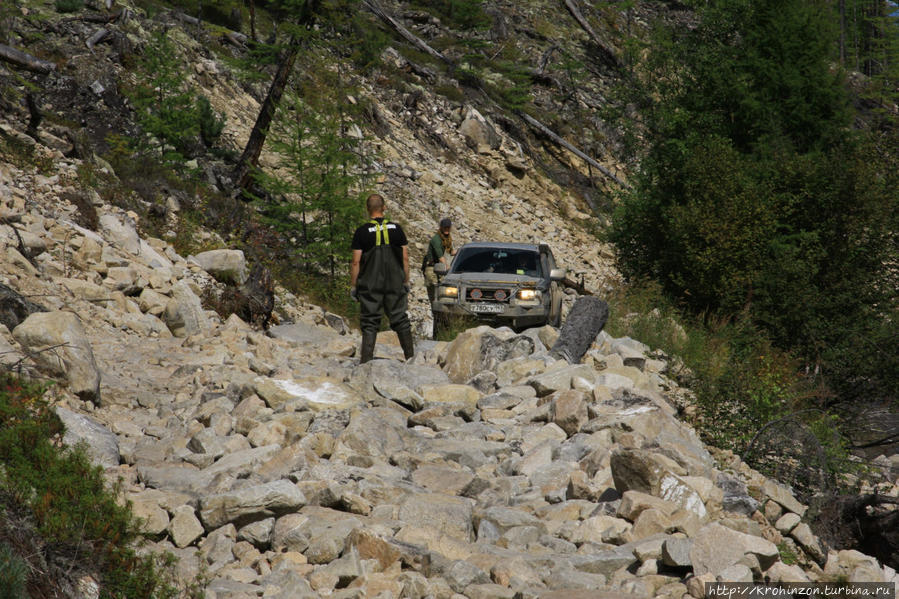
(69, 5)
(211, 125)
(68, 500)
(13, 574)
(465, 14)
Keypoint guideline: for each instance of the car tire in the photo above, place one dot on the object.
(436, 327)
(555, 320)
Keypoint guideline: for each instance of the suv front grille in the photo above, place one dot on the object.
(488, 294)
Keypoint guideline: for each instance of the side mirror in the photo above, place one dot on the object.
(440, 268)
(557, 274)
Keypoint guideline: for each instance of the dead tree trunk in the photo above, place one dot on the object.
(556, 138)
(410, 37)
(35, 116)
(250, 157)
(25, 60)
(610, 52)
(587, 318)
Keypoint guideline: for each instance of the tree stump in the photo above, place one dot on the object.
(587, 318)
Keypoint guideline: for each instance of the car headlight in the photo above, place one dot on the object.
(448, 292)
(528, 294)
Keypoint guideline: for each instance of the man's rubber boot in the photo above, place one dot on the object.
(368, 347)
(406, 343)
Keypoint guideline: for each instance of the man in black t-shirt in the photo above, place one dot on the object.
(379, 277)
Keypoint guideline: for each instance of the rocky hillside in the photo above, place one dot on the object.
(274, 465)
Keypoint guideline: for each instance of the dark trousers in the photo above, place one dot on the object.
(371, 303)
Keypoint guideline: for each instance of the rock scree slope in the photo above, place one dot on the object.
(277, 466)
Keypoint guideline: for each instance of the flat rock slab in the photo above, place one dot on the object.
(301, 334)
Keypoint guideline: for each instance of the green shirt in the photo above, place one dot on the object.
(435, 251)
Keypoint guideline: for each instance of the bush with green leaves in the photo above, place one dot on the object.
(177, 120)
(756, 199)
(13, 574)
(68, 500)
(69, 5)
(465, 14)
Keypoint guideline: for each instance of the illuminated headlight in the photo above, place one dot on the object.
(528, 294)
(448, 292)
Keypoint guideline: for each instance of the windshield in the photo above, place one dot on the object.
(496, 260)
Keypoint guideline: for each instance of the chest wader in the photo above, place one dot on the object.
(380, 287)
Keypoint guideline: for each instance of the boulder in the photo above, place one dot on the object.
(585, 320)
(451, 516)
(227, 266)
(121, 232)
(57, 343)
(102, 444)
(647, 472)
(568, 410)
(250, 503)
(483, 348)
(478, 133)
(184, 313)
(716, 548)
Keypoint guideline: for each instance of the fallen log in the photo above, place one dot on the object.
(96, 38)
(25, 60)
(586, 319)
(572, 7)
(99, 19)
(556, 138)
(410, 37)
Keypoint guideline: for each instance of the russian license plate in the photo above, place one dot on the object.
(487, 308)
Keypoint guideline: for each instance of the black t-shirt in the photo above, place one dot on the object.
(364, 237)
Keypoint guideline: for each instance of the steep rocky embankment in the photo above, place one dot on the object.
(277, 466)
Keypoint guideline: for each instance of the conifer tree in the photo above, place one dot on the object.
(755, 194)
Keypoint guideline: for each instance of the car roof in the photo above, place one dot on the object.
(502, 245)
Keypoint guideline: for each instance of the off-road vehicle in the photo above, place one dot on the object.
(513, 284)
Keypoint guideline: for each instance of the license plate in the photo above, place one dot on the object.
(487, 308)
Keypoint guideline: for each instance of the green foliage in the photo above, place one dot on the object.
(67, 496)
(449, 327)
(739, 379)
(175, 117)
(315, 199)
(211, 125)
(69, 5)
(755, 199)
(787, 555)
(13, 574)
(22, 154)
(464, 14)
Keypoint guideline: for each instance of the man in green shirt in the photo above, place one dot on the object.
(440, 246)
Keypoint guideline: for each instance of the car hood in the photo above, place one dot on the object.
(482, 278)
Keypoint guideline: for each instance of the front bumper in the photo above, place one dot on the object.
(516, 316)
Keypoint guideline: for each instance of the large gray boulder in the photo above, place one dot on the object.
(102, 444)
(184, 313)
(479, 134)
(717, 548)
(227, 266)
(57, 343)
(483, 348)
(121, 233)
(249, 504)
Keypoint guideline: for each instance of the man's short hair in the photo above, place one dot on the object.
(374, 203)
(446, 223)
